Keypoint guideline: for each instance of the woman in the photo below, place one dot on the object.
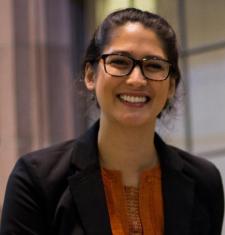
(119, 177)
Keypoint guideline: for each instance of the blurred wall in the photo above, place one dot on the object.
(36, 86)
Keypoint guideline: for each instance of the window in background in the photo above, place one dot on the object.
(207, 97)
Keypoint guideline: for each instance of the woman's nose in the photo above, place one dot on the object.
(136, 78)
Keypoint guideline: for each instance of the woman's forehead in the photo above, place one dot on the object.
(135, 39)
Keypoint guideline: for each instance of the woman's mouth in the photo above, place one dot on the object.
(137, 99)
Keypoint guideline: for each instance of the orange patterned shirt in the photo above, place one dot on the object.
(135, 211)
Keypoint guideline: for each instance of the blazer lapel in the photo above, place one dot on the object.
(86, 185)
(178, 191)
(88, 193)
(178, 203)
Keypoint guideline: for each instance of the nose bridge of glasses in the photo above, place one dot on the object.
(138, 64)
(136, 73)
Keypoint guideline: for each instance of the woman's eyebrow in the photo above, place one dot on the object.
(121, 52)
(129, 54)
(154, 57)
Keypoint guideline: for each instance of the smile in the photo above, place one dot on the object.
(134, 99)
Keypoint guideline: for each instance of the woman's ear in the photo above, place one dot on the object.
(172, 88)
(89, 77)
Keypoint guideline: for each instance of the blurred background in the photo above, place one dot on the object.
(41, 48)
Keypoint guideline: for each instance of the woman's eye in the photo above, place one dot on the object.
(119, 62)
(153, 66)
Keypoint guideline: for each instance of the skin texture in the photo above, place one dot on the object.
(126, 134)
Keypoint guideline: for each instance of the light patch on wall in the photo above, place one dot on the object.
(149, 5)
(104, 7)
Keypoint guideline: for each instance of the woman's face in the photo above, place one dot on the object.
(132, 99)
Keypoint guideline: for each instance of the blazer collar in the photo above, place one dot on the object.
(86, 185)
(88, 190)
(85, 152)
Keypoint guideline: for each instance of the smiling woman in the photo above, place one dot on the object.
(120, 177)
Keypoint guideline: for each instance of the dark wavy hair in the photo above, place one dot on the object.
(151, 21)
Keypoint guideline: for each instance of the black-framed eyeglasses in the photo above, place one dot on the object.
(152, 68)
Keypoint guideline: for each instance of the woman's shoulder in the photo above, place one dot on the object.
(46, 158)
(194, 160)
(47, 166)
(190, 163)
(201, 169)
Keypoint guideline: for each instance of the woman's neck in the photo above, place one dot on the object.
(125, 148)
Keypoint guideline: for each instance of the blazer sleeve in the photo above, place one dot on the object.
(210, 193)
(218, 203)
(23, 212)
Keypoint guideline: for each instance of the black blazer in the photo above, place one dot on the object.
(59, 191)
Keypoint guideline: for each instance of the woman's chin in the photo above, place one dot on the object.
(135, 120)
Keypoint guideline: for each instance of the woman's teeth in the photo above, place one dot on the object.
(133, 99)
